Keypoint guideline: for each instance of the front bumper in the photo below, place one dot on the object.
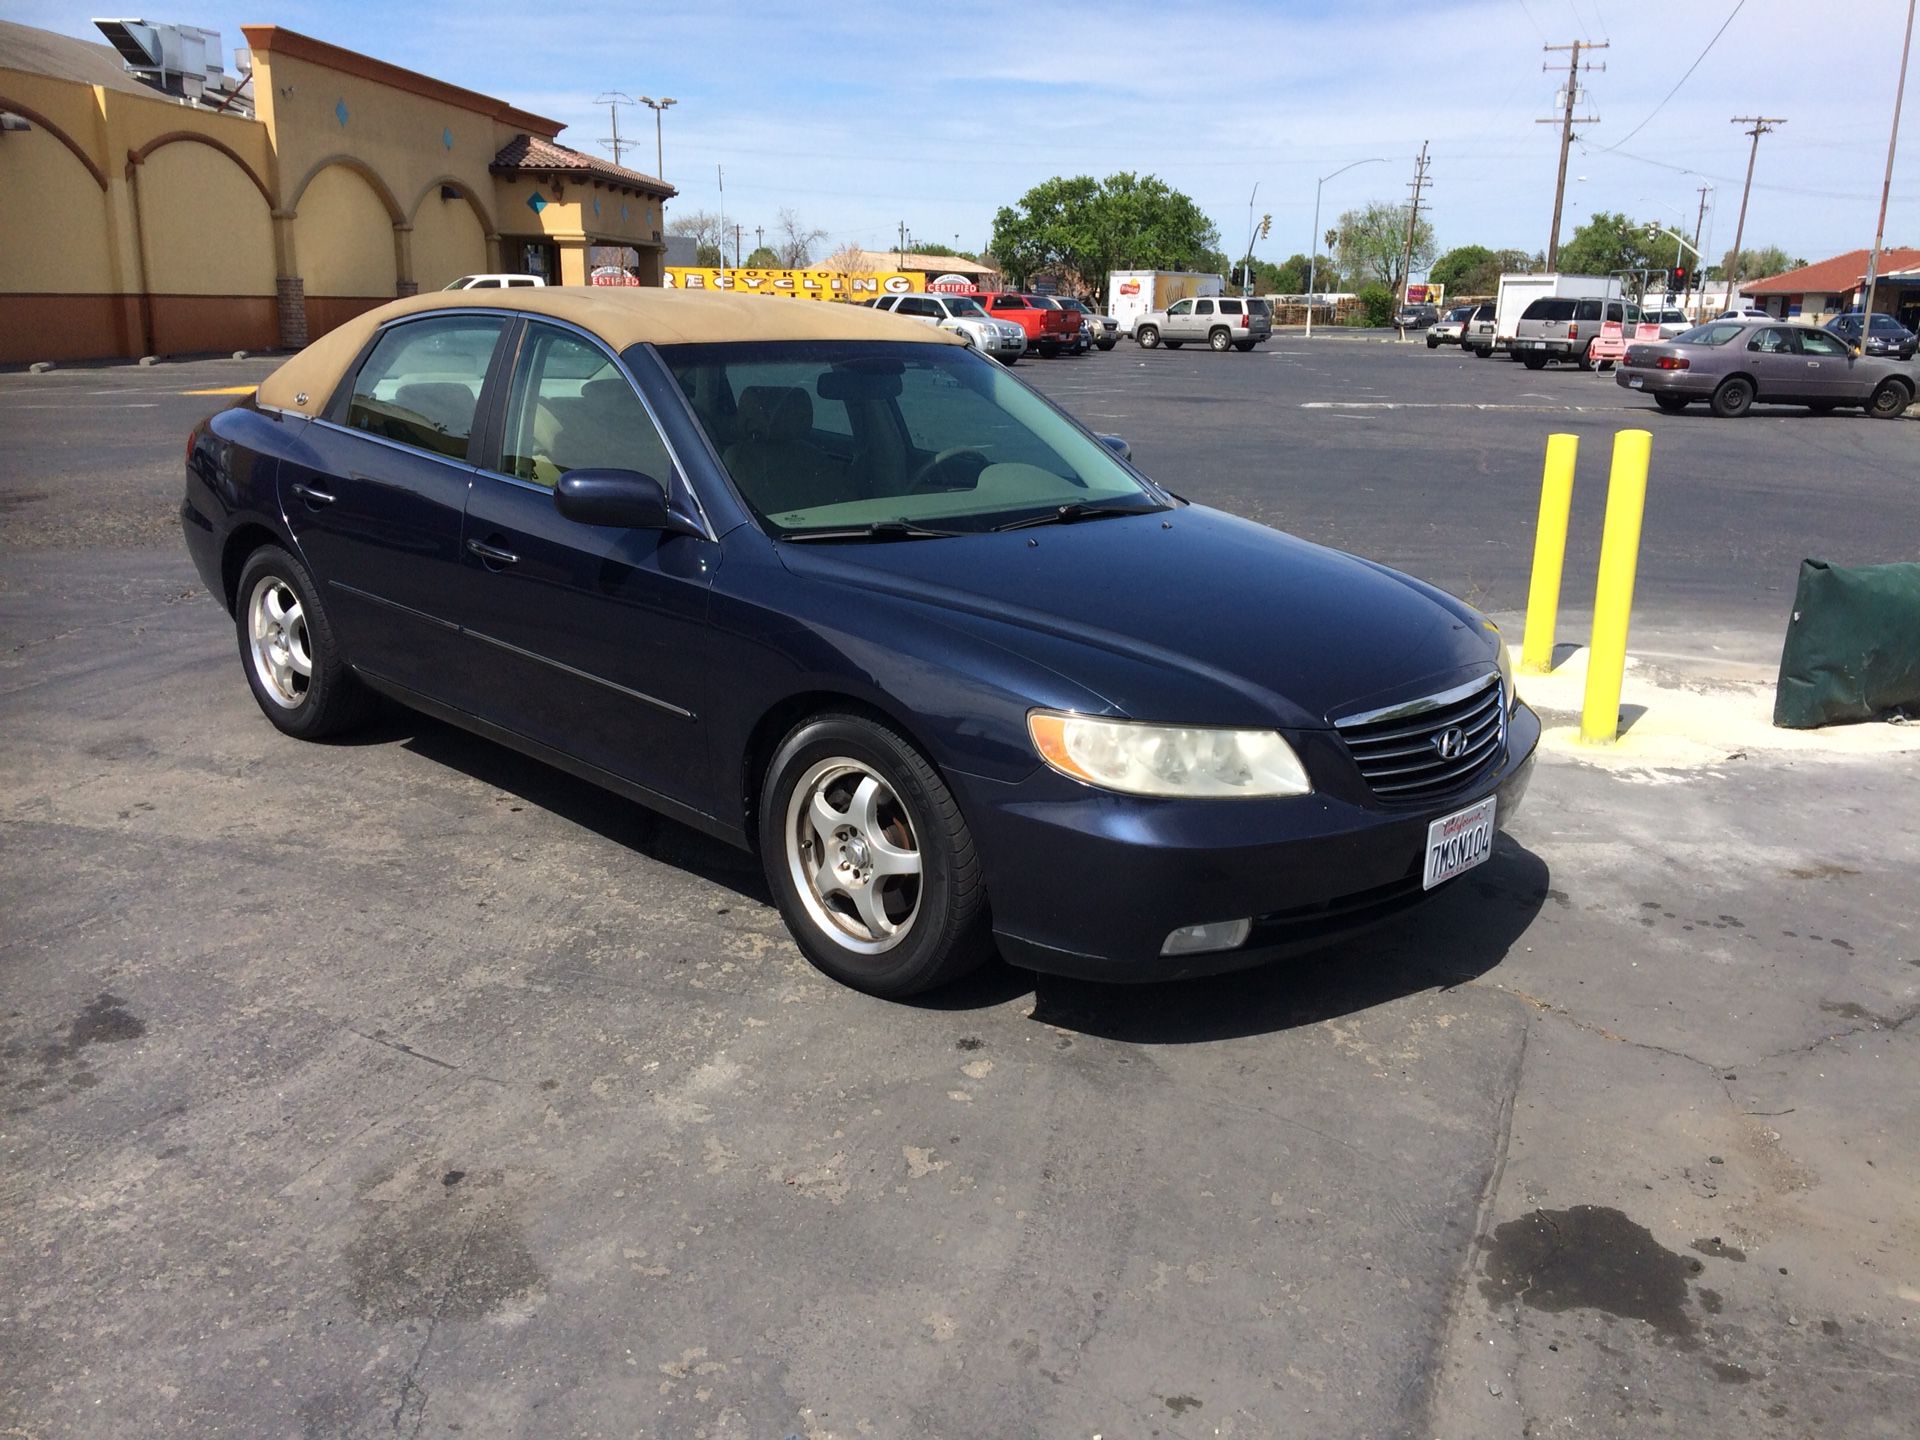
(1089, 883)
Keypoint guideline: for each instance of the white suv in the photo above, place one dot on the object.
(1002, 339)
(494, 282)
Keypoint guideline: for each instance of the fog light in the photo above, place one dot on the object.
(1198, 939)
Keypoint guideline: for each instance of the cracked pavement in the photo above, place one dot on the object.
(407, 1087)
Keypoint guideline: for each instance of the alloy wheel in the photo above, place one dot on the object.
(853, 855)
(277, 632)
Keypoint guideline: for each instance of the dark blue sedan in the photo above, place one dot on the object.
(835, 588)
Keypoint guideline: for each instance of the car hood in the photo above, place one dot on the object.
(1188, 614)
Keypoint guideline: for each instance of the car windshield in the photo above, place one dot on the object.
(964, 306)
(843, 435)
(1718, 333)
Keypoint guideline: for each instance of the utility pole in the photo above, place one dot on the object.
(736, 247)
(1566, 121)
(759, 237)
(900, 256)
(1880, 230)
(1699, 261)
(720, 174)
(1417, 184)
(1761, 124)
(613, 101)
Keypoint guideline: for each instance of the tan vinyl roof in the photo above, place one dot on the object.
(619, 315)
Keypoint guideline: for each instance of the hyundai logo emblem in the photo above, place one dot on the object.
(1451, 743)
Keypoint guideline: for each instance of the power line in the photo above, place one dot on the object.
(1533, 22)
(1738, 7)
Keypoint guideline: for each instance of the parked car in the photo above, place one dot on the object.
(1105, 329)
(1223, 321)
(1448, 329)
(496, 282)
(1731, 364)
(1048, 328)
(1886, 337)
(1744, 312)
(1416, 317)
(1672, 320)
(961, 314)
(1083, 331)
(775, 570)
(1564, 327)
(1479, 333)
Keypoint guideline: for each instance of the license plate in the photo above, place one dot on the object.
(1636, 383)
(1532, 345)
(1458, 842)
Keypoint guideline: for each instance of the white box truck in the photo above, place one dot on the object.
(1519, 291)
(1132, 293)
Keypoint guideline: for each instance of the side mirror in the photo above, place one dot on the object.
(623, 498)
(1118, 444)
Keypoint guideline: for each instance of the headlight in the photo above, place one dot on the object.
(1170, 760)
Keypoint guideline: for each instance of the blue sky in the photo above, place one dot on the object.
(860, 115)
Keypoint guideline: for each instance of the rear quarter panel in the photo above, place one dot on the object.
(233, 464)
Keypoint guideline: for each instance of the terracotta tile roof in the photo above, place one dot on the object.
(1831, 277)
(539, 154)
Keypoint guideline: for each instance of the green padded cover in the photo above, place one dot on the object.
(1853, 646)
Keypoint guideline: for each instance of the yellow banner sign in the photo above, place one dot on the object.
(795, 284)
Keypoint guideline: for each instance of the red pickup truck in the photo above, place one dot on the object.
(1048, 330)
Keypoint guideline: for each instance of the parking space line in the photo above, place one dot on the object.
(1440, 405)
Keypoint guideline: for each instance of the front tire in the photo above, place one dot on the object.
(1106, 345)
(293, 663)
(1433, 341)
(1890, 401)
(1148, 337)
(1221, 340)
(1733, 398)
(870, 861)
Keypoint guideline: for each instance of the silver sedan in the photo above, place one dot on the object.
(1732, 364)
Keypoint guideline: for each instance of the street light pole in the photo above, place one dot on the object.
(1880, 231)
(1246, 266)
(1313, 247)
(658, 107)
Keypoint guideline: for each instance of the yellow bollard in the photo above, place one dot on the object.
(1613, 596)
(1549, 555)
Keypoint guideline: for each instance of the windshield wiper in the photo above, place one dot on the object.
(1071, 511)
(878, 530)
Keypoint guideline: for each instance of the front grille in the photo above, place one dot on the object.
(1398, 750)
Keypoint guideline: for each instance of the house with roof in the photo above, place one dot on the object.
(1833, 286)
(166, 208)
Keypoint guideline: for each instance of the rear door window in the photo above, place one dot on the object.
(1229, 307)
(1586, 310)
(1205, 307)
(421, 383)
(1772, 341)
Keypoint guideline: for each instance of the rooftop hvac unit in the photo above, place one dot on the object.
(180, 60)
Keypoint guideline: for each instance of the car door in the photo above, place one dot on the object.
(1774, 362)
(590, 639)
(1827, 370)
(375, 491)
(1197, 327)
(919, 308)
(1179, 326)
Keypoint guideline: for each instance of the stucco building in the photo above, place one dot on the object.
(135, 224)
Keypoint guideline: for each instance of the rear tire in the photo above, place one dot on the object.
(1244, 346)
(1106, 345)
(1534, 360)
(1890, 401)
(1733, 398)
(1148, 337)
(868, 856)
(1586, 357)
(1672, 404)
(1485, 352)
(1221, 340)
(1173, 344)
(294, 667)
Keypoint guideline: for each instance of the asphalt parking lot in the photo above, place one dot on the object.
(407, 1086)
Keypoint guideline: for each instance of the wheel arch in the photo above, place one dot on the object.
(246, 537)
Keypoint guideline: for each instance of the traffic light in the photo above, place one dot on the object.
(1680, 275)
(1266, 226)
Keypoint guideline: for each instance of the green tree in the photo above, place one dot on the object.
(1761, 264)
(1611, 241)
(708, 255)
(1094, 227)
(1462, 269)
(1376, 305)
(1372, 241)
(764, 258)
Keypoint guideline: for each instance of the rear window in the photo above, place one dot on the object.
(1717, 334)
(1259, 307)
(1548, 308)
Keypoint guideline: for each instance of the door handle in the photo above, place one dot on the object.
(492, 554)
(313, 495)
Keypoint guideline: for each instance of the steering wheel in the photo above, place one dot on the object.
(926, 471)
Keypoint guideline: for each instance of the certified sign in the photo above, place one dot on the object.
(952, 285)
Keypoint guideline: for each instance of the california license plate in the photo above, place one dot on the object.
(1458, 842)
(1636, 383)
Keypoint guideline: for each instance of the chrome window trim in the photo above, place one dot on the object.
(1408, 708)
(391, 444)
